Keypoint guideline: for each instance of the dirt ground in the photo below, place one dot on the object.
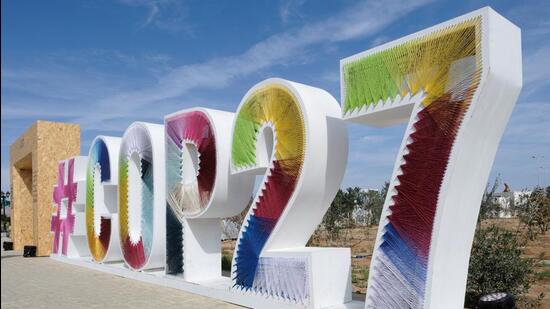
(361, 241)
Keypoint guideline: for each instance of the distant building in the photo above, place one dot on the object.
(230, 229)
(359, 215)
(507, 199)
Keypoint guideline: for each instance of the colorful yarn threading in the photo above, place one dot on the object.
(174, 243)
(98, 161)
(276, 106)
(446, 65)
(192, 128)
(58, 224)
(136, 242)
(186, 197)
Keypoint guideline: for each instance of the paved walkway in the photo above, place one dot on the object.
(44, 283)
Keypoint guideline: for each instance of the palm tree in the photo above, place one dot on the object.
(5, 197)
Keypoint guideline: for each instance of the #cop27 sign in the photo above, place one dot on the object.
(155, 197)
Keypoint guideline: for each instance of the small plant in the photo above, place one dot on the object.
(226, 262)
(333, 216)
(497, 265)
(375, 203)
(339, 215)
(490, 208)
(533, 211)
(359, 276)
(354, 278)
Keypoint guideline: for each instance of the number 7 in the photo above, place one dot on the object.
(456, 84)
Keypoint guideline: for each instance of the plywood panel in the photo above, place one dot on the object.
(22, 229)
(34, 158)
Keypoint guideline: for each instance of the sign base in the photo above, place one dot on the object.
(218, 289)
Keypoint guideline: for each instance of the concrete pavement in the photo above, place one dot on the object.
(44, 283)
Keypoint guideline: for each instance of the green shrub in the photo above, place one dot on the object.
(533, 211)
(374, 204)
(366, 273)
(497, 265)
(226, 262)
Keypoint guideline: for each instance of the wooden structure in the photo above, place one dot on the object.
(34, 158)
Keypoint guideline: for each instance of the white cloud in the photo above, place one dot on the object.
(97, 101)
(332, 76)
(99, 96)
(372, 139)
(354, 22)
(536, 74)
(527, 123)
(21, 110)
(379, 40)
(164, 14)
(58, 83)
(290, 9)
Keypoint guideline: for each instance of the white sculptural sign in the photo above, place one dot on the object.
(455, 84)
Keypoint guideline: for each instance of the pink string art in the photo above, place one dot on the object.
(61, 191)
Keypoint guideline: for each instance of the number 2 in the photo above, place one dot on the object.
(293, 135)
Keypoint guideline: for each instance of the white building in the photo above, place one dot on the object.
(508, 199)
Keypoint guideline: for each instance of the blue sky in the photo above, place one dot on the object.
(104, 64)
